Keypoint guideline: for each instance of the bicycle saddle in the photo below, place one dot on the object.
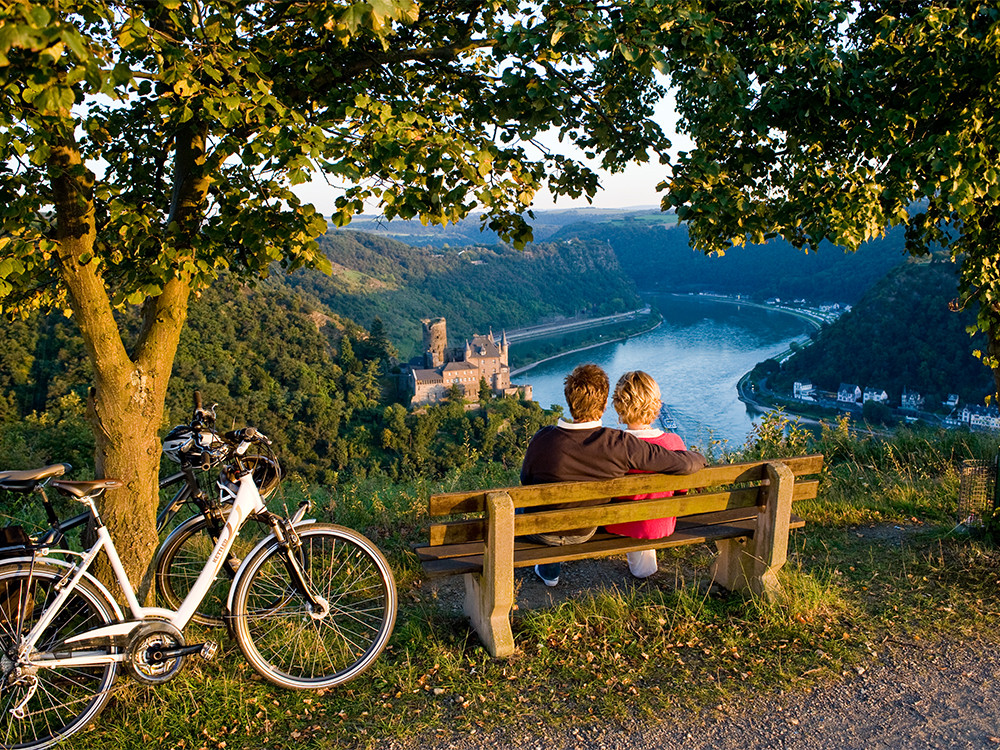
(25, 480)
(93, 488)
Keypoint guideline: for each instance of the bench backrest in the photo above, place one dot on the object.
(716, 488)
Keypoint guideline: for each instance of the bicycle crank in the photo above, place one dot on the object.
(156, 652)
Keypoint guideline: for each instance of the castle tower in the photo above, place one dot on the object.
(435, 341)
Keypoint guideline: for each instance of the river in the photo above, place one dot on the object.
(697, 355)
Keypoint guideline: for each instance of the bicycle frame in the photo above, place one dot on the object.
(247, 501)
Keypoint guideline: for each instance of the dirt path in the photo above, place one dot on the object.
(917, 696)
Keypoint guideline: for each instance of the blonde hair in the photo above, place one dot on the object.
(586, 391)
(637, 398)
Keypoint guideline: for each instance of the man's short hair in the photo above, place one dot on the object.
(636, 398)
(586, 391)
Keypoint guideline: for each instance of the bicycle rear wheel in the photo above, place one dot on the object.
(64, 699)
(284, 639)
(185, 553)
(180, 561)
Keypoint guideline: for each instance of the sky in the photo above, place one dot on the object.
(634, 187)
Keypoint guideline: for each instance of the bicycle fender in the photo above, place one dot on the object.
(249, 556)
(56, 562)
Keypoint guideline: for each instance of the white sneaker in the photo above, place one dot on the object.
(642, 564)
(550, 582)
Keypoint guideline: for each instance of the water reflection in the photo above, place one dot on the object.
(697, 356)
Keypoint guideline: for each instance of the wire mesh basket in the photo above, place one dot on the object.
(977, 492)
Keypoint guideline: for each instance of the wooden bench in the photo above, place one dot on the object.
(745, 509)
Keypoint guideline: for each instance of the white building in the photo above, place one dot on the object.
(804, 390)
(877, 395)
(913, 401)
(848, 393)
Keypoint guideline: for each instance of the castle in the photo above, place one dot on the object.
(440, 368)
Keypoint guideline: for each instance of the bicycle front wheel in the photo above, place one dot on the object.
(294, 645)
(41, 705)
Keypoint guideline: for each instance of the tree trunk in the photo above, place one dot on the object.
(126, 401)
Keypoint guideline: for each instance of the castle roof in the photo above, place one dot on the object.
(427, 376)
(483, 346)
(454, 366)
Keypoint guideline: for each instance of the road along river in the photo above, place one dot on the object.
(697, 356)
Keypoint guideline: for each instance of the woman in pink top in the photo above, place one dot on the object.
(637, 401)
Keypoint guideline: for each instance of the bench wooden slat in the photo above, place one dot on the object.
(463, 548)
(601, 545)
(451, 503)
(457, 532)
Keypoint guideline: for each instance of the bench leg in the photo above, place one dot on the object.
(489, 596)
(753, 564)
(733, 565)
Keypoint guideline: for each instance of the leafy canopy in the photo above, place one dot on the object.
(835, 120)
(430, 108)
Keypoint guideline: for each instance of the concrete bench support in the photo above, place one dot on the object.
(489, 596)
(752, 564)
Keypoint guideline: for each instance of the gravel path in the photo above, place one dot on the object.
(912, 695)
(916, 696)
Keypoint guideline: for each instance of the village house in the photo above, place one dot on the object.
(483, 358)
(877, 395)
(913, 401)
(848, 393)
(981, 417)
(804, 390)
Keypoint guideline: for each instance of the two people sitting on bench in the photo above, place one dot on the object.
(585, 450)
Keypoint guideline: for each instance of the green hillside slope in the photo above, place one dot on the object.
(653, 249)
(901, 334)
(476, 288)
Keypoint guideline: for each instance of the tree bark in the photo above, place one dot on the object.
(126, 401)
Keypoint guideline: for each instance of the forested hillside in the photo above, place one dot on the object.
(475, 288)
(270, 357)
(287, 357)
(653, 249)
(901, 334)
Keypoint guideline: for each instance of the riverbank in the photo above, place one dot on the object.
(815, 317)
(531, 365)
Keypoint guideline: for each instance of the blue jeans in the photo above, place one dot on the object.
(551, 571)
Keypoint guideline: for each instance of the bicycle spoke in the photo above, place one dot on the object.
(291, 644)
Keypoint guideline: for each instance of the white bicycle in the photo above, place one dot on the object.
(311, 606)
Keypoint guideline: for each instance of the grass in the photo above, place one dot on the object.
(878, 564)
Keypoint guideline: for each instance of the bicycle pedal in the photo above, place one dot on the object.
(208, 650)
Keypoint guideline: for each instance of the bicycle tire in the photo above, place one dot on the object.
(67, 699)
(181, 559)
(273, 624)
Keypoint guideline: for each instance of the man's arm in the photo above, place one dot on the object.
(646, 456)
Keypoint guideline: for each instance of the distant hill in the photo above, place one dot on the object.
(476, 288)
(901, 334)
(655, 251)
(544, 225)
